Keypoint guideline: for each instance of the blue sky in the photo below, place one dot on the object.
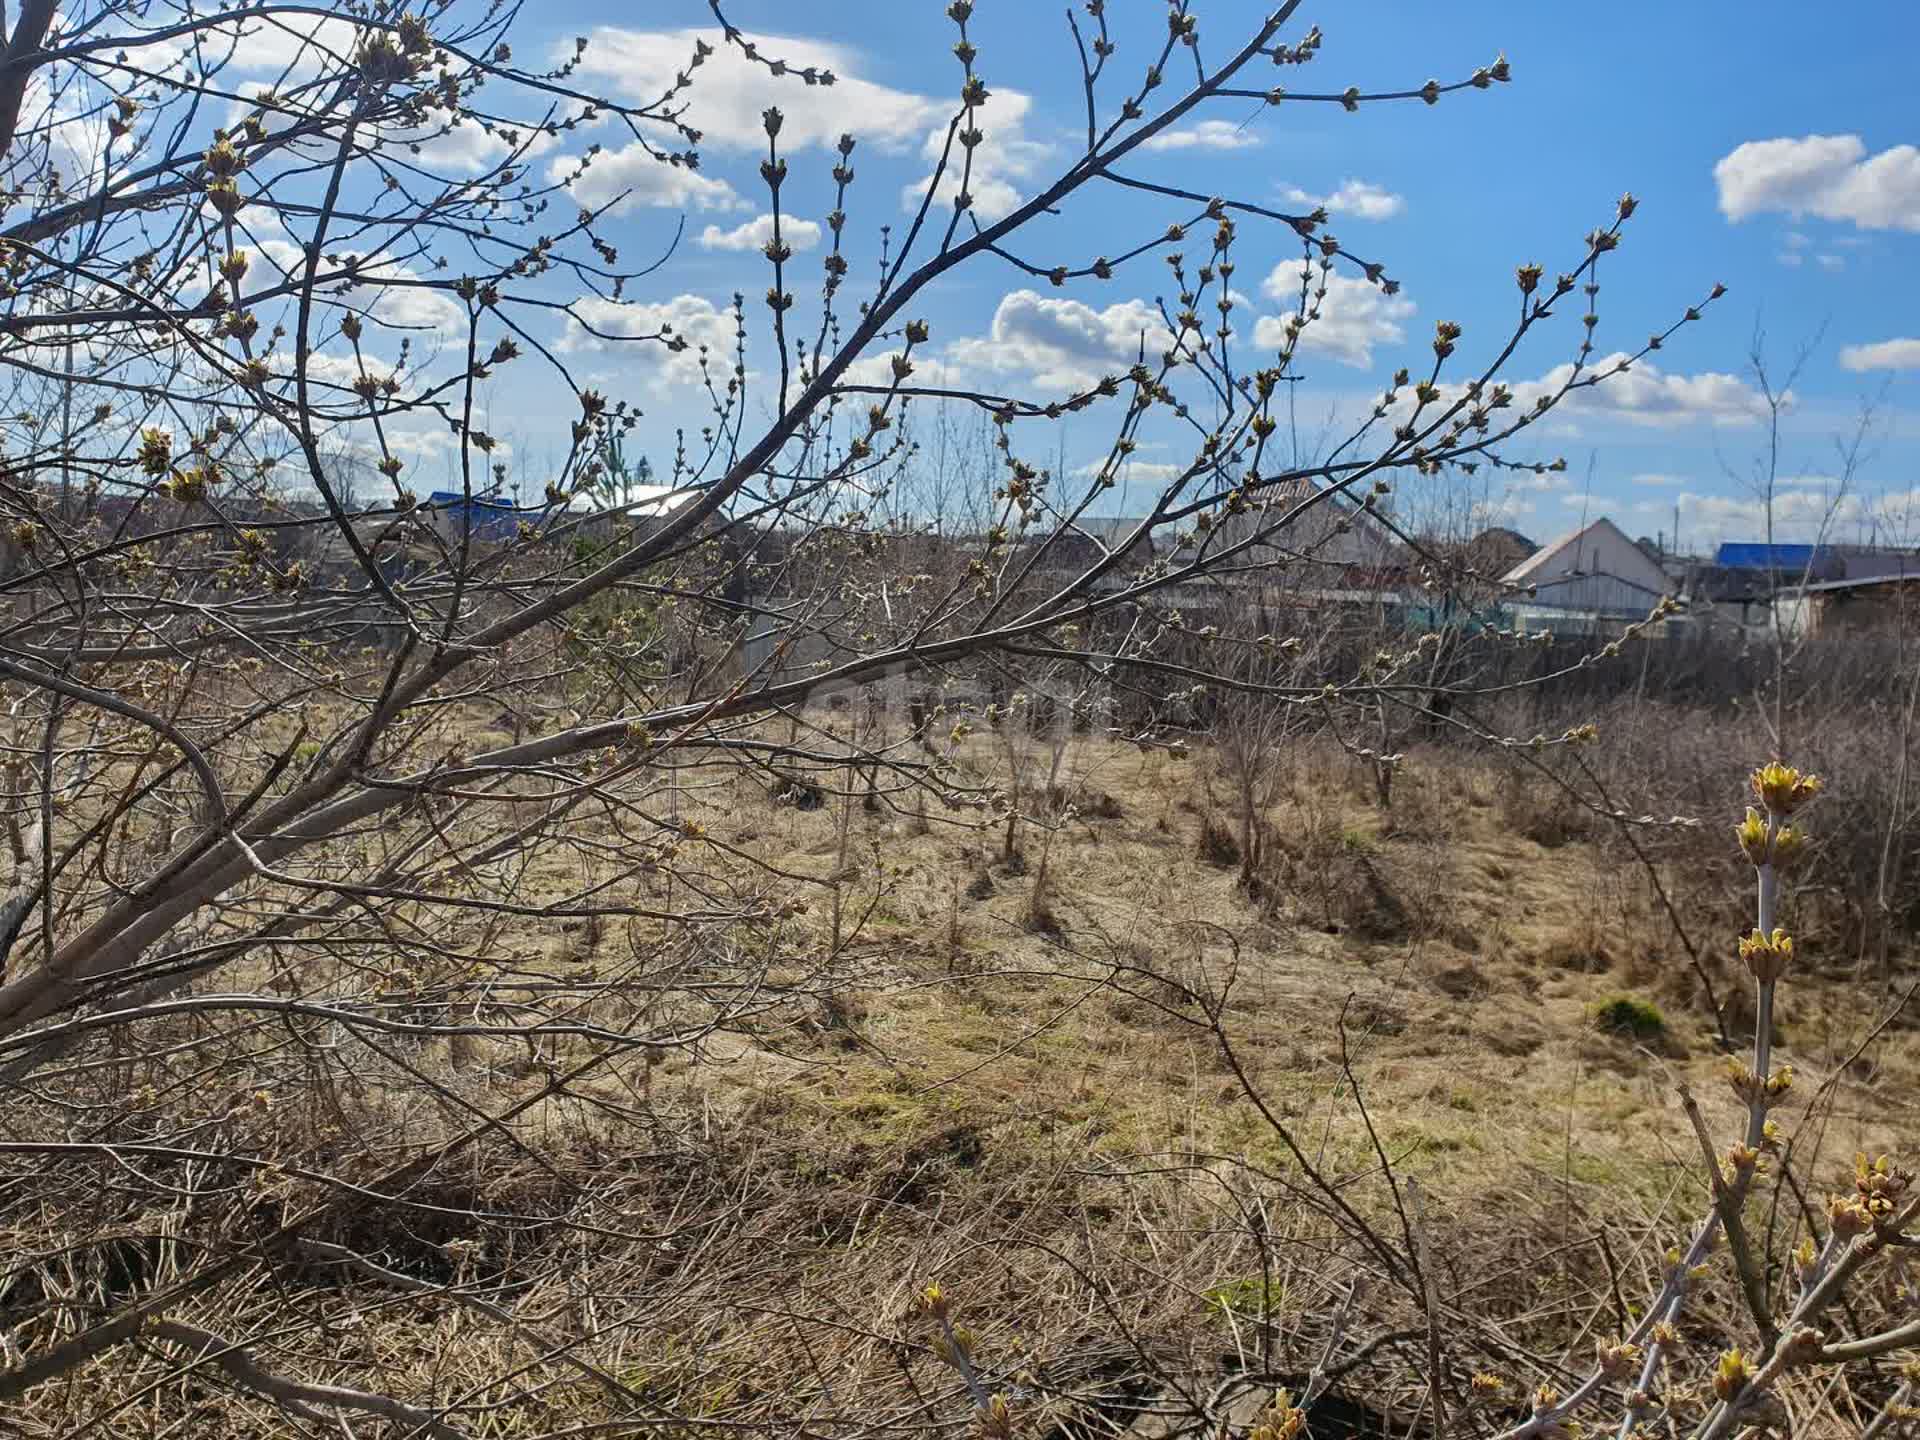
(1769, 153)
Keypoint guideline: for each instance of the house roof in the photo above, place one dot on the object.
(640, 502)
(1364, 520)
(479, 502)
(1859, 582)
(1745, 555)
(1600, 537)
(1493, 552)
(1878, 564)
(1505, 535)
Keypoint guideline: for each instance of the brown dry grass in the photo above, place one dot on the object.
(1033, 1114)
(982, 1066)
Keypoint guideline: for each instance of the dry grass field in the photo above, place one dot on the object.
(1032, 1082)
(1132, 1104)
(1474, 967)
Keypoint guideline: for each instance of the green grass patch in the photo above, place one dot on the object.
(1630, 1015)
(1249, 1298)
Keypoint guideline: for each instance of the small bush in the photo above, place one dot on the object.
(1217, 845)
(1630, 1015)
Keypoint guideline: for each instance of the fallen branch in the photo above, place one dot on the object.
(297, 1395)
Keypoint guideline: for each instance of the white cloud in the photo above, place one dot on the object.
(1642, 396)
(691, 321)
(285, 44)
(1361, 199)
(929, 372)
(1646, 395)
(427, 444)
(1826, 259)
(341, 370)
(639, 178)
(1830, 176)
(468, 146)
(59, 127)
(423, 446)
(1064, 344)
(1796, 241)
(1002, 162)
(1799, 516)
(755, 233)
(729, 92)
(394, 294)
(414, 306)
(1651, 478)
(1355, 316)
(1207, 135)
(430, 442)
(298, 44)
(1901, 354)
(1551, 482)
(1152, 472)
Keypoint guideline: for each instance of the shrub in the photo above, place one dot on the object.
(1630, 1015)
(1217, 845)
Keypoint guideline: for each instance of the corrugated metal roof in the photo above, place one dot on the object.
(1872, 564)
(484, 519)
(1749, 555)
(1858, 582)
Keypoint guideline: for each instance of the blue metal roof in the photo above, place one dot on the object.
(486, 519)
(1743, 555)
(454, 497)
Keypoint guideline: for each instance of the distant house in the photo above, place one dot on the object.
(1867, 562)
(1318, 538)
(1797, 562)
(1322, 527)
(1884, 603)
(645, 502)
(1094, 536)
(1497, 550)
(1595, 578)
(457, 516)
(1733, 594)
(1744, 579)
(490, 518)
(396, 544)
